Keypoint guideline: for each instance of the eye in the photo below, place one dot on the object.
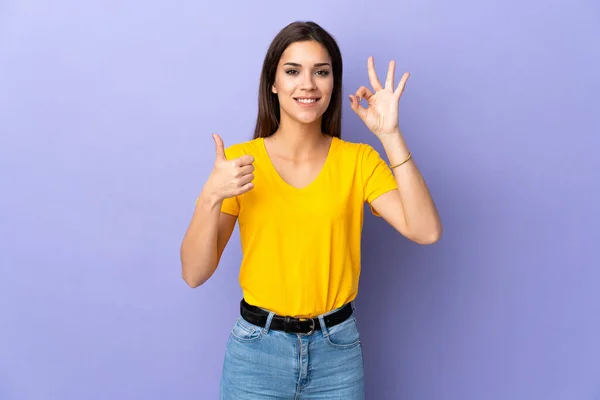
(322, 72)
(291, 72)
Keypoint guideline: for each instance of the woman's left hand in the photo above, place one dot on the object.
(381, 113)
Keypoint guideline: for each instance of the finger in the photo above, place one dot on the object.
(245, 170)
(246, 188)
(245, 179)
(220, 147)
(373, 75)
(357, 107)
(244, 160)
(400, 89)
(363, 93)
(389, 81)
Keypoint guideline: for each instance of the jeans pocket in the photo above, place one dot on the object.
(344, 335)
(245, 332)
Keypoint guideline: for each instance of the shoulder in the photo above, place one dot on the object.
(239, 149)
(356, 150)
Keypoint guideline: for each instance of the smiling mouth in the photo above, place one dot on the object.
(305, 100)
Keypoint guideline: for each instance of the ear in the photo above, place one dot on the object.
(274, 89)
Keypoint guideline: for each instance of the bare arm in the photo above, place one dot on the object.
(410, 209)
(206, 237)
(210, 229)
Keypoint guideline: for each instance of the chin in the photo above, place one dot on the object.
(308, 120)
(307, 117)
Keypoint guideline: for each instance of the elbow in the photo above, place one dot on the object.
(193, 272)
(193, 283)
(191, 280)
(429, 237)
(428, 240)
(433, 237)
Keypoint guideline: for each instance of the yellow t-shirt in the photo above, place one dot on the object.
(302, 247)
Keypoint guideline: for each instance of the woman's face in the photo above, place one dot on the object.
(304, 81)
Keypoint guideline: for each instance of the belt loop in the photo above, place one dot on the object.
(267, 326)
(323, 326)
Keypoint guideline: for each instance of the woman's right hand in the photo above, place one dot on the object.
(230, 178)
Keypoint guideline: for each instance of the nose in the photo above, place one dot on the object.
(308, 82)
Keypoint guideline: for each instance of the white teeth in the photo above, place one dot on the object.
(306, 101)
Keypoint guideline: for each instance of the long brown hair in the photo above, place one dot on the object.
(268, 117)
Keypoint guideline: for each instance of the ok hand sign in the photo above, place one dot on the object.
(381, 113)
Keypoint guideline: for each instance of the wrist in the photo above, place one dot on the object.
(389, 133)
(395, 147)
(209, 198)
(393, 138)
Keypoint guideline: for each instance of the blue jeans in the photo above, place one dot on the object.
(261, 363)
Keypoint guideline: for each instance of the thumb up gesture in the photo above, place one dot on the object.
(230, 178)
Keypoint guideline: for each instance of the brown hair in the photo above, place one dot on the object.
(268, 117)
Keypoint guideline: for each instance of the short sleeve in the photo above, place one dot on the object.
(377, 177)
(231, 206)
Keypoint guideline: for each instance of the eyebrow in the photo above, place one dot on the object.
(293, 64)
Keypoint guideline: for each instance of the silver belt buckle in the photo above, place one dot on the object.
(312, 327)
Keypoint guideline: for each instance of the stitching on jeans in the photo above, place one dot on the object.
(245, 328)
(298, 387)
(349, 345)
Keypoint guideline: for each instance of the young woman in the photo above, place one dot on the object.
(298, 191)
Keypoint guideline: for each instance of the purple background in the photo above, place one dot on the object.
(106, 112)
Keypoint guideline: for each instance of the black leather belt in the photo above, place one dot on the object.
(258, 316)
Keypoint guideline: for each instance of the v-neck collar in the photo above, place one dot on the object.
(284, 183)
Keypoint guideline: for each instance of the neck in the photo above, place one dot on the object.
(297, 138)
